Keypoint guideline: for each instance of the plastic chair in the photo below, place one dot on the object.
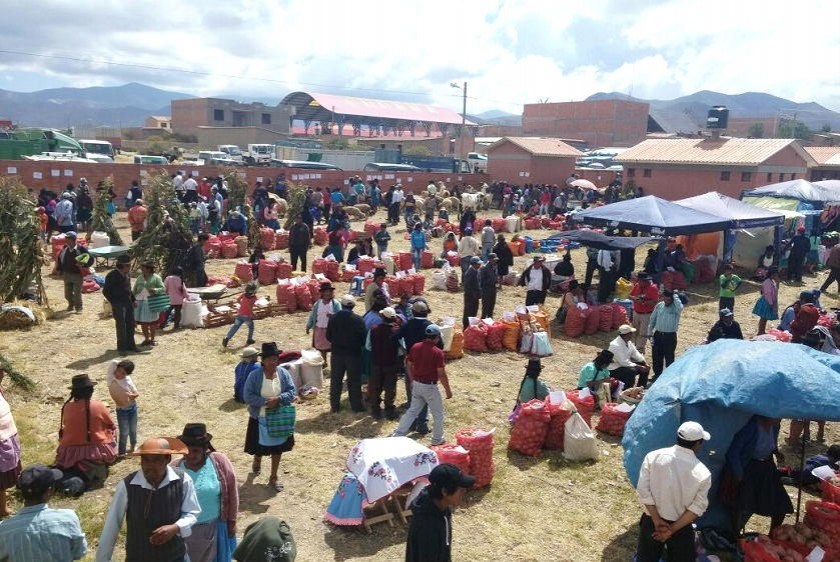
(357, 285)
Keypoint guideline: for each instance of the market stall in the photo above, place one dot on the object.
(721, 386)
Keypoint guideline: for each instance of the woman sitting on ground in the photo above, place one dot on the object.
(596, 372)
(531, 386)
(450, 244)
(86, 436)
(213, 537)
(571, 298)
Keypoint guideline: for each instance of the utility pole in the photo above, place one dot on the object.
(463, 117)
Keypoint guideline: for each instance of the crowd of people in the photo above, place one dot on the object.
(184, 499)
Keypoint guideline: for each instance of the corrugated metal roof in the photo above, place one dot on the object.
(541, 146)
(317, 106)
(824, 155)
(720, 151)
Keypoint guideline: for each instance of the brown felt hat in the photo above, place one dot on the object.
(161, 446)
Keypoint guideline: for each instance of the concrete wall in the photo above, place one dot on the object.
(599, 123)
(53, 175)
(508, 162)
(189, 114)
(740, 126)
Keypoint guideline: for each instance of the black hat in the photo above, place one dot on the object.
(379, 272)
(37, 479)
(79, 382)
(668, 293)
(195, 434)
(643, 275)
(448, 476)
(325, 286)
(534, 367)
(269, 349)
(123, 259)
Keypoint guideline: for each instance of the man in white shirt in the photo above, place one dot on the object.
(178, 183)
(627, 360)
(191, 190)
(159, 504)
(432, 188)
(467, 248)
(673, 488)
(536, 278)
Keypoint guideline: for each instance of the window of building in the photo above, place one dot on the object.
(646, 172)
(218, 115)
(266, 118)
(746, 176)
(781, 177)
(163, 125)
(724, 176)
(631, 172)
(769, 177)
(793, 176)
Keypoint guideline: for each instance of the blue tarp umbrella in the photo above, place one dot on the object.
(652, 214)
(722, 385)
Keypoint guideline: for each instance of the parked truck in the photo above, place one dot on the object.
(17, 143)
(258, 154)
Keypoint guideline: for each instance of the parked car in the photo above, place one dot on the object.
(477, 162)
(147, 159)
(217, 158)
(98, 150)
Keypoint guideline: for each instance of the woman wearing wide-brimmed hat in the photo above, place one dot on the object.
(150, 301)
(87, 443)
(269, 393)
(322, 310)
(213, 537)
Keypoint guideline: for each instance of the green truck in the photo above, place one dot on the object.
(17, 143)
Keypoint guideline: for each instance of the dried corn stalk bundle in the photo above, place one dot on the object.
(296, 200)
(101, 220)
(20, 247)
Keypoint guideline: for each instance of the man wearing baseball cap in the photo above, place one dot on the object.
(726, 328)
(430, 530)
(38, 532)
(384, 353)
(673, 487)
(71, 270)
(644, 295)
(425, 365)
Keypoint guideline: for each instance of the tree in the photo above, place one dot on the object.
(794, 130)
(756, 131)
(417, 150)
(826, 128)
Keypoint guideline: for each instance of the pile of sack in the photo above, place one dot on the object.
(553, 423)
(586, 319)
(479, 444)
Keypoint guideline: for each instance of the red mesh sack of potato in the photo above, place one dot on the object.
(284, 270)
(593, 320)
(303, 297)
(427, 260)
(824, 516)
(475, 338)
(404, 261)
(267, 237)
(479, 443)
(619, 315)
(576, 321)
(267, 272)
(453, 454)
(243, 271)
(419, 284)
(365, 265)
(530, 428)
(319, 266)
(496, 337)
(585, 406)
(556, 426)
(281, 241)
(229, 250)
(314, 289)
(347, 275)
(286, 296)
(605, 317)
(612, 421)
(453, 259)
(320, 236)
(333, 268)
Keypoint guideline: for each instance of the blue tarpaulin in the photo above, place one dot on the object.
(800, 189)
(654, 215)
(723, 384)
(740, 214)
(601, 241)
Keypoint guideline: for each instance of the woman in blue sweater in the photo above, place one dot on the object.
(268, 387)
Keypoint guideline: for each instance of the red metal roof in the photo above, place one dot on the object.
(329, 104)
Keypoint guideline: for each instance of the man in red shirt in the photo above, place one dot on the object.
(644, 295)
(425, 367)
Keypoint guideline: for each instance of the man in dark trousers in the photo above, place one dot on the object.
(346, 333)
(536, 279)
(412, 332)
(117, 291)
(71, 271)
(384, 363)
(488, 282)
(800, 245)
(430, 530)
(472, 290)
(195, 259)
(300, 240)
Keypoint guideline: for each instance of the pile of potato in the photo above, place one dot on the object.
(801, 534)
(778, 551)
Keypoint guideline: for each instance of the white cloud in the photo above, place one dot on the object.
(510, 52)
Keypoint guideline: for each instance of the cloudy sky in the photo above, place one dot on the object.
(509, 52)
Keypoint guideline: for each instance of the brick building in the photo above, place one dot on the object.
(599, 122)
(190, 114)
(531, 160)
(827, 160)
(678, 168)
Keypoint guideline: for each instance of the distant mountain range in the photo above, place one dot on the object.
(749, 104)
(128, 106)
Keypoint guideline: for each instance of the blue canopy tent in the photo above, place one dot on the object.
(722, 385)
(740, 214)
(651, 214)
(601, 241)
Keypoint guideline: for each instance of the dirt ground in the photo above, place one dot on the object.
(536, 509)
